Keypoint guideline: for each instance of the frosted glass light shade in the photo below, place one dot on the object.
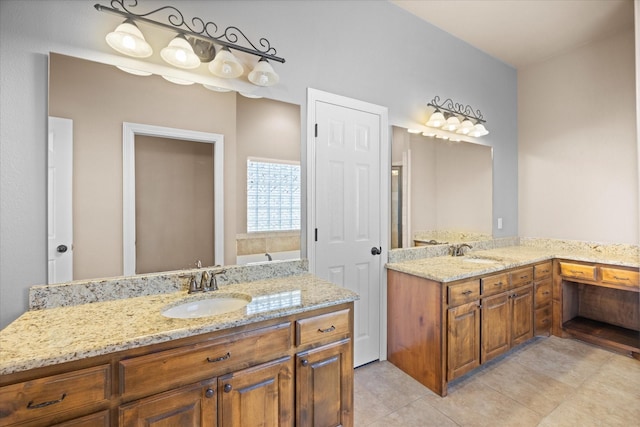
(128, 40)
(465, 127)
(179, 53)
(478, 130)
(436, 120)
(134, 71)
(452, 124)
(263, 74)
(177, 80)
(226, 65)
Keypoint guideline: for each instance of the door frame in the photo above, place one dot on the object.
(314, 96)
(129, 132)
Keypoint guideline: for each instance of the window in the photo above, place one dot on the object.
(273, 195)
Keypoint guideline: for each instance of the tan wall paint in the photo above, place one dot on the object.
(174, 204)
(578, 160)
(78, 90)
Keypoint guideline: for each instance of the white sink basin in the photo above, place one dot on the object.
(480, 260)
(211, 306)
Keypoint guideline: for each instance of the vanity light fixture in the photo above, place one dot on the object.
(455, 117)
(195, 41)
(179, 53)
(178, 81)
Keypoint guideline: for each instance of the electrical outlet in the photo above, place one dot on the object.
(499, 223)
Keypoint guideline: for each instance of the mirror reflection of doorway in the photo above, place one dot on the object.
(396, 207)
(174, 204)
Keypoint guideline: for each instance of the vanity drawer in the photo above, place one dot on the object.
(543, 293)
(49, 396)
(579, 271)
(618, 276)
(494, 284)
(543, 320)
(463, 292)
(322, 328)
(541, 271)
(521, 277)
(145, 375)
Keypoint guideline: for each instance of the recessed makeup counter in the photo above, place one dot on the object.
(448, 315)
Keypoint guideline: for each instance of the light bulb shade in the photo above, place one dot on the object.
(465, 127)
(479, 130)
(179, 53)
(263, 74)
(216, 88)
(226, 65)
(128, 40)
(134, 71)
(178, 81)
(436, 120)
(453, 123)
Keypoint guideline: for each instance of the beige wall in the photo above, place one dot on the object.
(451, 186)
(174, 204)
(99, 98)
(578, 160)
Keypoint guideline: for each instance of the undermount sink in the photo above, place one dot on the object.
(481, 260)
(210, 306)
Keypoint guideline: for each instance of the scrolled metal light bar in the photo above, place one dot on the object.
(457, 109)
(177, 23)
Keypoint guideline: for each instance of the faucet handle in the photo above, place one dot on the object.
(193, 285)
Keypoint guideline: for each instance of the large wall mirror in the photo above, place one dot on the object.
(99, 98)
(441, 190)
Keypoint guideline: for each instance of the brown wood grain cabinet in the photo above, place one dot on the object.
(292, 370)
(543, 286)
(439, 331)
(598, 303)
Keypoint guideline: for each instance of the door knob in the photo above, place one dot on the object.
(376, 251)
(62, 248)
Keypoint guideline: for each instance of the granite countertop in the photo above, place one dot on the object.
(46, 337)
(449, 269)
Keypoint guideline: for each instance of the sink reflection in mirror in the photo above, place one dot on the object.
(442, 191)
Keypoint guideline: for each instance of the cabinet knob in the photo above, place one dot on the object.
(227, 388)
(209, 393)
(304, 362)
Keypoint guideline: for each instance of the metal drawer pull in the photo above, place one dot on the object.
(467, 292)
(621, 278)
(497, 284)
(219, 359)
(330, 329)
(545, 293)
(526, 276)
(576, 272)
(30, 405)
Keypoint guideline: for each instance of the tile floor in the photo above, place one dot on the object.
(546, 382)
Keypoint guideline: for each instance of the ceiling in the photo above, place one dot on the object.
(524, 32)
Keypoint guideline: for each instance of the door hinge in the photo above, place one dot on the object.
(316, 232)
(316, 130)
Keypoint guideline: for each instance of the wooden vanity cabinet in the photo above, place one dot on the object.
(438, 331)
(543, 285)
(507, 317)
(294, 370)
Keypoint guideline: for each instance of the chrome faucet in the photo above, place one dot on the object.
(458, 250)
(268, 255)
(208, 282)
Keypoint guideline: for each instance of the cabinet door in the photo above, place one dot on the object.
(258, 396)
(495, 326)
(324, 386)
(521, 315)
(192, 405)
(463, 339)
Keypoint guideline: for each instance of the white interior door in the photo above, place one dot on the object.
(60, 200)
(348, 227)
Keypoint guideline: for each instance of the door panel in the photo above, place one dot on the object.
(60, 201)
(348, 214)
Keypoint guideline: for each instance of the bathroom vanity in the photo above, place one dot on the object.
(449, 315)
(287, 360)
